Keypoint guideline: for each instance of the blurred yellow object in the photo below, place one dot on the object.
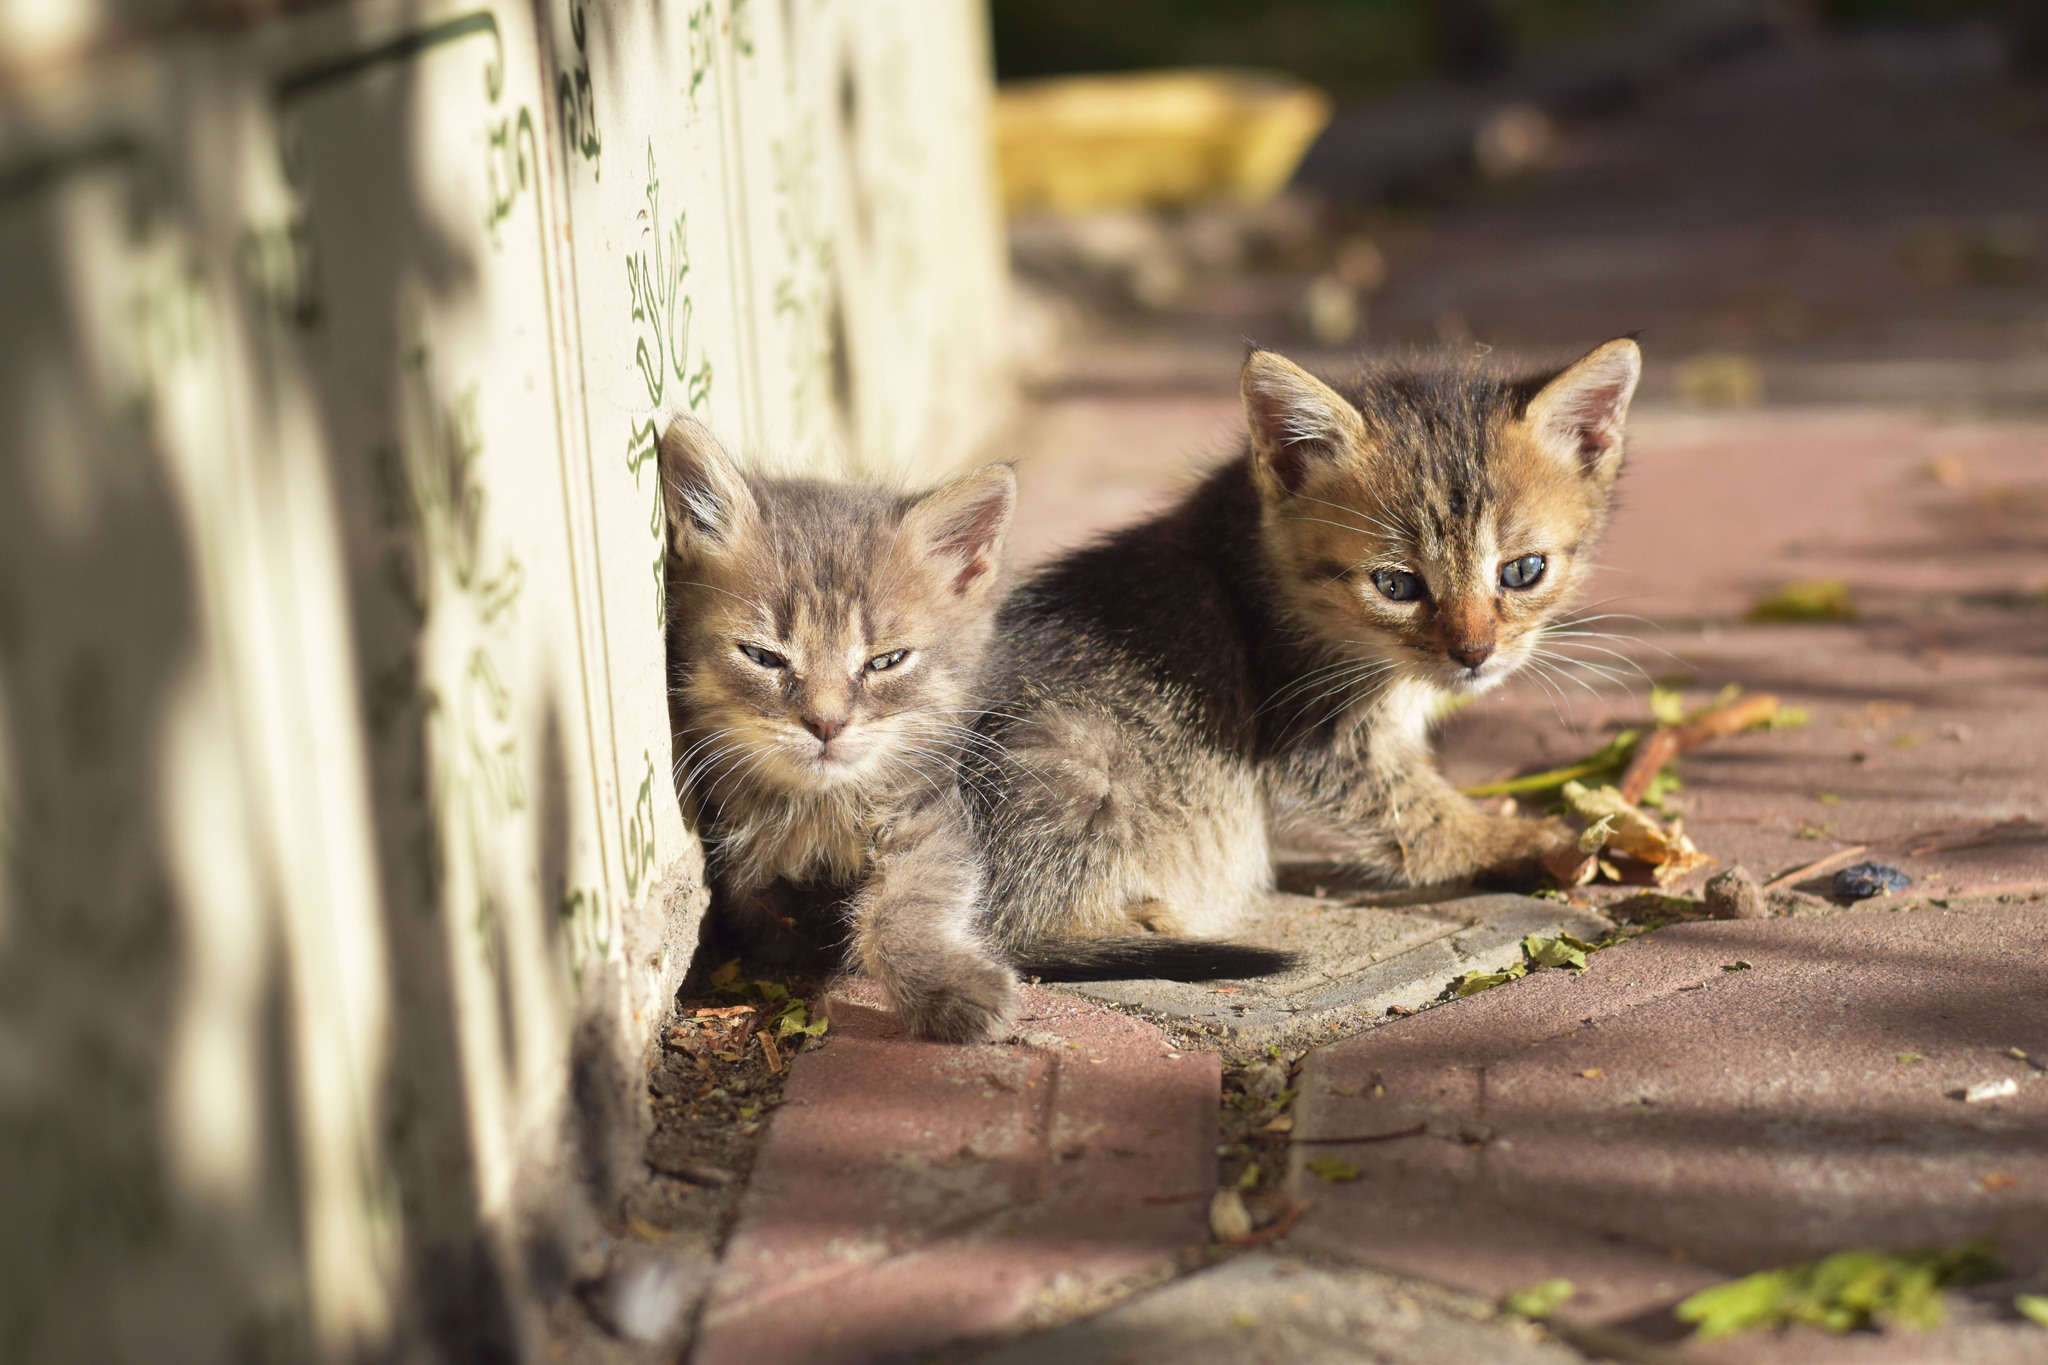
(1079, 144)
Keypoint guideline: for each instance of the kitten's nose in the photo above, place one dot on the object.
(1472, 653)
(825, 730)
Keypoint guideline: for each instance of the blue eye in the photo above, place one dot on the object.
(766, 658)
(1397, 585)
(1522, 573)
(882, 663)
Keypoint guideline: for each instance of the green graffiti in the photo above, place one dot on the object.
(511, 164)
(587, 928)
(278, 264)
(662, 312)
(170, 318)
(578, 102)
(703, 47)
(637, 839)
(743, 27)
(802, 297)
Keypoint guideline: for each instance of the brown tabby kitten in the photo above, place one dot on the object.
(1265, 659)
(825, 639)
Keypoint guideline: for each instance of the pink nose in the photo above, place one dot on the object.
(825, 730)
(1472, 653)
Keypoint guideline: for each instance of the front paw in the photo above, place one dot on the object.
(972, 1000)
(1527, 851)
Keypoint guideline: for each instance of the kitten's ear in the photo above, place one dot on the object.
(1295, 419)
(706, 497)
(963, 524)
(1580, 414)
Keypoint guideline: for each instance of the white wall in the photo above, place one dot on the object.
(342, 883)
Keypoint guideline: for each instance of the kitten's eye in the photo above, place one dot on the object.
(882, 663)
(1397, 585)
(766, 658)
(1521, 573)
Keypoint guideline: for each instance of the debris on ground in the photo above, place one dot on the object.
(1864, 880)
(1845, 1292)
(1983, 1092)
(1813, 599)
(1680, 732)
(1538, 1302)
(1627, 845)
(1334, 1169)
(1538, 952)
(1229, 1219)
(1638, 763)
(1816, 867)
(1735, 894)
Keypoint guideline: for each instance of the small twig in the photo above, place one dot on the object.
(770, 1055)
(1417, 1131)
(1660, 748)
(1800, 874)
(1273, 1231)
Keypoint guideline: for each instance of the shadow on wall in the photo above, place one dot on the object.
(263, 786)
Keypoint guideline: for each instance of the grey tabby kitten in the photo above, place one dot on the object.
(1265, 659)
(825, 639)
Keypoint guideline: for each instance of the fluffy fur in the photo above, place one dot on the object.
(825, 639)
(1264, 660)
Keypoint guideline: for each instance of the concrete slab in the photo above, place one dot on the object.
(1662, 1122)
(909, 1194)
(1263, 1306)
(1361, 955)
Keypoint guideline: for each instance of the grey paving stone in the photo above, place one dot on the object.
(1359, 959)
(1268, 1306)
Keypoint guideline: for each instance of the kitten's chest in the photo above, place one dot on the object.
(803, 838)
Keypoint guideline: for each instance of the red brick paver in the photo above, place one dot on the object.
(911, 1194)
(1660, 1122)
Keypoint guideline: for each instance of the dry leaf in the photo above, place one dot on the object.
(1632, 833)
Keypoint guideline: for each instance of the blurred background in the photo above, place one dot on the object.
(1811, 202)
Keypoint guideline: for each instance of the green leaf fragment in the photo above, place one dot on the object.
(726, 974)
(1667, 708)
(1334, 1169)
(1605, 764)
(1553, 952)
(1471, 983)
(1594, 837)
(1538, 1301)
(1815, 599)
(1910, 1058)
(1844, 1292)
(1738, 965)
(2032, 1306)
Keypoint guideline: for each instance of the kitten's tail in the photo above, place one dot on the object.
(1147, 956)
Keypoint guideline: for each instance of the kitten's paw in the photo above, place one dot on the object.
(974, 1001)
(1529, 851)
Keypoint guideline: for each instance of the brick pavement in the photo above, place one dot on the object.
(1661, 1122)
(912, 1193)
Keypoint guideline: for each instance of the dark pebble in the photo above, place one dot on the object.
(1864, 880)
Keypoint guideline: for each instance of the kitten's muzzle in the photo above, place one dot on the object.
(1472, 653)
(826, 728)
